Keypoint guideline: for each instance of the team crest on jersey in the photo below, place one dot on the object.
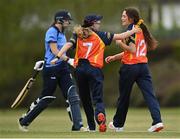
(88, 44)
(108, 35)
(69, 14)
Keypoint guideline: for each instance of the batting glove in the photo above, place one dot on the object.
(71, 61)
(39, 65)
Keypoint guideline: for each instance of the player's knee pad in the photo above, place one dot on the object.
(36, 108)
(46, 100)
(72, 95)
(42, 102)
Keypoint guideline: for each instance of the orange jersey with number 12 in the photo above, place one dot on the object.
(141, 51)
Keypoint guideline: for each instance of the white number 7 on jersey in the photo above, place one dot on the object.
(88, 51)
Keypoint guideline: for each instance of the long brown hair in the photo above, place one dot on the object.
(133, 13)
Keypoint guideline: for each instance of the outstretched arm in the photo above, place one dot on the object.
(60, 53)
(55, 50)
(126, 34)
(114, 57)
(67, 46)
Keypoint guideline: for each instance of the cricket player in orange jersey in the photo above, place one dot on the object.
(135, 69)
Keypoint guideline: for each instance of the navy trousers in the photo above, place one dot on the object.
(129, 74)
(57, 75)
(90, 83)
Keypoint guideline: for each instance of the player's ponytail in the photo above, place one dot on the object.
(149, 39)
(133, 13)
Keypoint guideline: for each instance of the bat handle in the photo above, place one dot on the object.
(35, 73)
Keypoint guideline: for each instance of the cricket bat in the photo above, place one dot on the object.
(25, 90)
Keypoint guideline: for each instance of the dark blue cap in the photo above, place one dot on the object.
(62, 15)
(90, 19)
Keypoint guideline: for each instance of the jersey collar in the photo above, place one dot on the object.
(57, 29)
(130, 26)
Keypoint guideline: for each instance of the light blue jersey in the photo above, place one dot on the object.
(53, 35)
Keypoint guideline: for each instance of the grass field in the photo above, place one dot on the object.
(54, 123)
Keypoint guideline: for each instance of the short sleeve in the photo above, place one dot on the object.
(73, 40)
(51, 35)
(106, 37)
(130, 39)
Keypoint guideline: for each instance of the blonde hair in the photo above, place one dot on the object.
(78, 29)
(140, 22)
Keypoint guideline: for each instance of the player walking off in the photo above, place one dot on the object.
(135, 69)
(90, 44)
(53, 75)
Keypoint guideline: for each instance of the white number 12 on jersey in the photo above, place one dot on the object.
(141, 49)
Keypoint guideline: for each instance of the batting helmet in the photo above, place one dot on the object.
(62, 15)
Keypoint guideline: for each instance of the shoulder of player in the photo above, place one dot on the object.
(74, 36)
(52, 29)
(130, 27)
(103, 34)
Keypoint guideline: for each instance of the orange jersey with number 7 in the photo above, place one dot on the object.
(141, 50)
(92, 49)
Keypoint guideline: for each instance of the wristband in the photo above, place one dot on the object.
(57, 57)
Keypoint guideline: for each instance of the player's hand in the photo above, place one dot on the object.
(109, 59)
(39, 65)
(137, 29)
(54, 61)
(71, 61)
(118, 42)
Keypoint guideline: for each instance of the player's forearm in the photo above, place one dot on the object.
(54, 48)
(63, 50)
(131, 49)
(123, 35)
(118, 56)
(126, 34)
(64, 58)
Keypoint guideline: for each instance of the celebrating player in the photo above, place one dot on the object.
(135, 69)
